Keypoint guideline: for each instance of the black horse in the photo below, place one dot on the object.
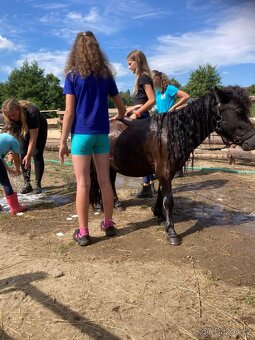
(162, 144)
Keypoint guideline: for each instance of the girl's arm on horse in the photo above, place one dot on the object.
(147, 105)
(66, 127)
(184, 97)
(132, 109)
(120, 106)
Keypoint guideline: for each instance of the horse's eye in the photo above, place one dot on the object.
(239, 112)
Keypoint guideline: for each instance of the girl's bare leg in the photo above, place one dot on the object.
(81, 165)
(102, 163)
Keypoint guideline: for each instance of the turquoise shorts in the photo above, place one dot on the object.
(85, 145)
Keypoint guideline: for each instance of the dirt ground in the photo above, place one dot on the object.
(134, 286)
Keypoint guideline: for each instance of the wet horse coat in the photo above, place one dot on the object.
(163, 144)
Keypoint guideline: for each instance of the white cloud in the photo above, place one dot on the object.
(231, 42)
(50, 6)
(93, 16)
(95, 21)
(6, 44)
(100, 17)
(6, 69)
(147, 15)
(50, 62)
(74, 16)
(120, 69)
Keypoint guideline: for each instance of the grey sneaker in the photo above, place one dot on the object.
(84, 240)
(109, 230)
(37, 189)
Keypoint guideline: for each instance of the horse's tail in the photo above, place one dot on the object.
(95, 192)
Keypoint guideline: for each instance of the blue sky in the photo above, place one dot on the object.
(176, 36)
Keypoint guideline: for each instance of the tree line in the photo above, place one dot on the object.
(30, 82)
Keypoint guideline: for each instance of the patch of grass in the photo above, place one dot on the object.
(63, 248)
(161, 227)
(143, 207)
(4, 216)
(205, 172)
(249, 299)
(212, 278)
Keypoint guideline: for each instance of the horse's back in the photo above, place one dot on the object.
(131, 146)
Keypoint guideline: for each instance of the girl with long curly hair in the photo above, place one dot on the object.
(88, 83)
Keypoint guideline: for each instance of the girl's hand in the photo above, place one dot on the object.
(27, 161)
(10, 157)
(116, 117)
(63, 150)
(133, 116)
(131, 111)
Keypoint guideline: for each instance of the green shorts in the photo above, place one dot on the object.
(83, 144)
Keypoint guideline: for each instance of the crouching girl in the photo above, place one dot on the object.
(10, 145)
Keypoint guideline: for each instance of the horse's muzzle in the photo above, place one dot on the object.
(249, 144)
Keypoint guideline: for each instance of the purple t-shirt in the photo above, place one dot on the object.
(91, 107)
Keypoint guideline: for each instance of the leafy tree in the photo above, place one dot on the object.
(2, 93)
(175, 83)
(110, 103)
(202, 81)
(54, 98)
(29, 82)
(127, 98)
(251, 90)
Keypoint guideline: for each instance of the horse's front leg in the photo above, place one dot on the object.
(168, 204)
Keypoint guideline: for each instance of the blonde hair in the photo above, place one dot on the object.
(142, 66)
(12, 104)
(164, 80)
(86, 57)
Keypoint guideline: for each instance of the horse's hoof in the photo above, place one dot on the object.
(161, 220)
(98, 209)
(118, 206)
(174, 240)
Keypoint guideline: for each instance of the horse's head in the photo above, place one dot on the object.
(232, 122)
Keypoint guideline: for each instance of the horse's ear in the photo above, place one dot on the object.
(217, 93)
(217, 90)
(221, 95)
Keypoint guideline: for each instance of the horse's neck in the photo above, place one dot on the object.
(199, 124)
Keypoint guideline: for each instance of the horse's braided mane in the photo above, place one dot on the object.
(182, 126)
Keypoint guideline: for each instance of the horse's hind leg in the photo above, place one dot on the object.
(168, 204)
(117, 204)
(95, 192)
(158, 208)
